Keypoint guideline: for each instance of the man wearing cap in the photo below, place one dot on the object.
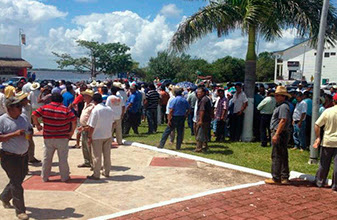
(240, 102)
(59, 126)
(2, 100)
(280, 129)
(100, 125)
(83, 129)
(299, 122)
(13, 152)
(328, 119)
(9, 90)
(266, 108)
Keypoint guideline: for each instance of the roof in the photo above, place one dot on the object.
(14, 63)
(281, 51)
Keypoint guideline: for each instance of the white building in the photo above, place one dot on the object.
(298, 62)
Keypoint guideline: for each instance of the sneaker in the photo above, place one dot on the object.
(22, 216)
(92, 177)
(6, 205)
(84, 165)
(285, 181)
(271, 181)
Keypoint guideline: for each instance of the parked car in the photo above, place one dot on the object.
(328, 85)
(297, 82)
(15, 80)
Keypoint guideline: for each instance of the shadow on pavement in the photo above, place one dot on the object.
(210, 151)
(119, 168)
(125, 178)
(37, 213)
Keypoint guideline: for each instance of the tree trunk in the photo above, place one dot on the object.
(93, 68)
(249, 87)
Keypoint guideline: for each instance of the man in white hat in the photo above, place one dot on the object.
(280, 128)
(33, 95)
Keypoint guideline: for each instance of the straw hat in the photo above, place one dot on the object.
(88, 92)
(21, 95)
(101, 85)
(281, 90)
(34, 86)
(118, 85)
(93, 84)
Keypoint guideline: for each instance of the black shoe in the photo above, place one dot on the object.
(83, 165)
(34, 161)
(92, 177)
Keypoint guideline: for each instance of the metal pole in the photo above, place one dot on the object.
(317, 80)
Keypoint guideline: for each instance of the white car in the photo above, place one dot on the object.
(328, 85)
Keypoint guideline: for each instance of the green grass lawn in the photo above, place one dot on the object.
(239, 153)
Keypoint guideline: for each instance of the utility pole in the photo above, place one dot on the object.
(317, 80)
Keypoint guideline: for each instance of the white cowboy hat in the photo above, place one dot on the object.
(118, 85)
(34, 86)
(93, 84)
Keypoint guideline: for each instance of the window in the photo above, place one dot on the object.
(326, 54)
(333, 53)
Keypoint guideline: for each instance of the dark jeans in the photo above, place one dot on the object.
(220, 130)
(256, 125)
(163, 114)
(265, 129)
(327, 154)
(190, 121)
(152, 120)
(131, 121)
(178, 122)
(236, 126)
(16, 168)
(279, 156)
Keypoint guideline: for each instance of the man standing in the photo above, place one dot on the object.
(280, 126)
(299, 122)
(151, 102)
(191, 99)
(204, 118)
(118, 108)
(59, 125)
(266, 108)
(14, 158)
(68, 96)
(221, 111)
(132, 110)
(328, 119)
(240, 102)
(83, 129)
(164, 97)
(100, 136)
(178, 109)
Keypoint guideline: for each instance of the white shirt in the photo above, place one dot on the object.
(3, 109)
(116, 104)
(239, 100)
(32, 97)
(122, 93)
(26, 88)
(299, 110)
(101, 119)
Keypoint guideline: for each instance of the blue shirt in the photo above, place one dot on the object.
(309, 106)
(179, 105)
(68, 98)
(134, 99)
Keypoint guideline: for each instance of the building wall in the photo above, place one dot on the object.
(304, 51)
(10, 51)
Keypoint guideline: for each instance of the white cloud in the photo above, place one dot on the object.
(171, 10)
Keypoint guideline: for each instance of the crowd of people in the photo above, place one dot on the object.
(99, 111)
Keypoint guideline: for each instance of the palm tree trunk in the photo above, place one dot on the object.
(249, 87)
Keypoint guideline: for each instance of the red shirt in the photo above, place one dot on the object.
(164, 97)
(56, 119)
(78, 99)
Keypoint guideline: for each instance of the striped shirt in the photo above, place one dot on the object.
(152, 98)
(56, 119)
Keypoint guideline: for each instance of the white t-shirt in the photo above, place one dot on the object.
(239, 100)
(101, 119)
(3, 109)
(116, 104)
(16, 145)
(299, 110)
(32, 97)
(26, 87)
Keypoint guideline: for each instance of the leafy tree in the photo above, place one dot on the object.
(162, 66)
(229, 69)
(110, 58)
(266, 17)
(265, 67)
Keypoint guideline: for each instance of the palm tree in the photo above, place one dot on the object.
(266, 17)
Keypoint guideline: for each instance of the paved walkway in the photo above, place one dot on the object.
(139, 177)
(299, 200)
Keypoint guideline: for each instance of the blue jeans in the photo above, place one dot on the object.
(152, 119)
(178, 122)
(299, 135)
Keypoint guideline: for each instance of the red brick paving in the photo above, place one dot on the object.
(299, 200)
(54, 183)
(172, 162)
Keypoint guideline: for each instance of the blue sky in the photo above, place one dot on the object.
(146, 26)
